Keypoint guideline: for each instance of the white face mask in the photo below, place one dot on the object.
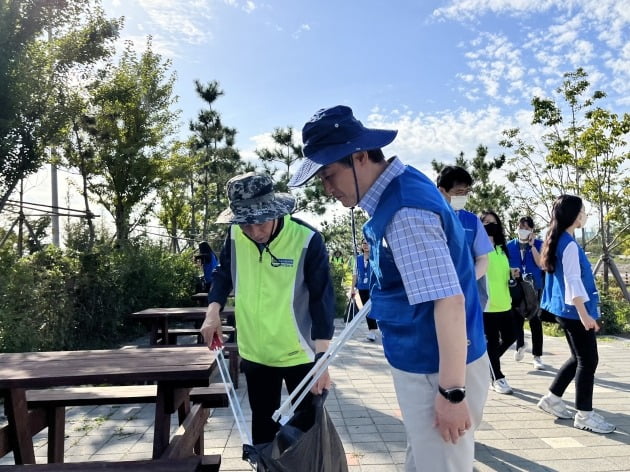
(458, 202)
(523, 234)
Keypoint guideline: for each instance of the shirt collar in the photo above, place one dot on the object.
(373, 195)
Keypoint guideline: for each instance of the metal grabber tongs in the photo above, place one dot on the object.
(287, 409)
(235, 406)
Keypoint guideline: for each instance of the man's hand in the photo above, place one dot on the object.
(211, 326)
(322, 383)
(451, 419)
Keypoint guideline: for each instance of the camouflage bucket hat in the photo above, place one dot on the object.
(253, 201)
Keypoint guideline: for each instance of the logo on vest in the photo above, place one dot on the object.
(275, 262)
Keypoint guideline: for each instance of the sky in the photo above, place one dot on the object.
(448, 75)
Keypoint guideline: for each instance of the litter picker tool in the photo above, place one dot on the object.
(287, 409)
(235, 405)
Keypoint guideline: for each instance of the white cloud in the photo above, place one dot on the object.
(259, 141)
(471, 9)
(496, 65)
(247, 6)
(443, 136)
(181, 21)
(592, 34)
(303, 28)
(159, 45)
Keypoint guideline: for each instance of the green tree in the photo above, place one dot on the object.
(217, 158)
(285, 153)
(34, 71)
(175, 201)
(78, 150)
(584, 152)
(131, 119)
(605, 166)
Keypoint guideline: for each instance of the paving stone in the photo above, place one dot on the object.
(514, 435)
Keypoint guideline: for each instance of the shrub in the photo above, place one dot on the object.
(615, 316)
(69, 300)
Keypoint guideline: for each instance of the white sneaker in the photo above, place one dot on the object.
(538, 363)
(556, 408)
(501, 386)
(519, 354)
(371, 336)
(593, 422)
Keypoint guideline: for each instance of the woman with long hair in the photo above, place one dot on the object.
(497, 314)
(571, 295)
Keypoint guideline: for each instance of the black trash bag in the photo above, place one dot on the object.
(307, 443)
(524, 297)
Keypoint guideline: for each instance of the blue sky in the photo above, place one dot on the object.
(449, 75)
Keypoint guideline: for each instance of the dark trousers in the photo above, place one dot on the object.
(581, 365)
(499, 329)
(264, 390)
(535, 325)
(364, 295)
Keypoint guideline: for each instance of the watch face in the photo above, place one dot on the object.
(456, 395)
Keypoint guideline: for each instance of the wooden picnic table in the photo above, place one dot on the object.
(158, 319)
(175, 370)
(201, 298)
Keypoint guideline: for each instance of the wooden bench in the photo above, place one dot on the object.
(47, 409)
(174, 333)
(211, 463)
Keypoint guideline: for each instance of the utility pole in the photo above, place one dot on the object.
(53, 185)
(55, 204)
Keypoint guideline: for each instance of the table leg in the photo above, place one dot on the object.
(164, 330)
(19, 426)
(162, 431)
(153, 332)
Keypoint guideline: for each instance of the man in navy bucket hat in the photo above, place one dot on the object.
(423, 290)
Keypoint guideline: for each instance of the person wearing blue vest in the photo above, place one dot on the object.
(423, 290)
(524, 255)
(208, 260)
(284, 301)
(455, 183)
(571, 295)
(361, 283)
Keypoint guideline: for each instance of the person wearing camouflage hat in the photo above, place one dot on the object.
(277, 266)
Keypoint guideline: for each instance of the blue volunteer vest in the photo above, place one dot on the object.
(527, 264)
(363, 274)
(553, 293)
(469, 222)
(409, 337)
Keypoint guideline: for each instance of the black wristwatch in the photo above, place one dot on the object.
(453, 395)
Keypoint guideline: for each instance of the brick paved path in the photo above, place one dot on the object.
(514, 436)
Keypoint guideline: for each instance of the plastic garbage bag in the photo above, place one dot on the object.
(307, 443)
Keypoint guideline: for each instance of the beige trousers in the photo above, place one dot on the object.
(426, 450)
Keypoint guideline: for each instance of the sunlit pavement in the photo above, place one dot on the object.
(514, 436)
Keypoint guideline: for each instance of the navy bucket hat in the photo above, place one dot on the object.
(332, 134)
(253, 201)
